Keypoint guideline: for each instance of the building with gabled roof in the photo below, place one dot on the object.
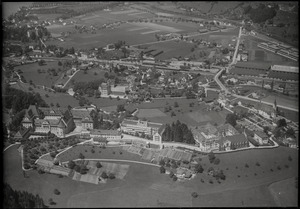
(23, 133)
(157, 137)
(83, 118)
(30, 115)
(233, 142)
(261, 137)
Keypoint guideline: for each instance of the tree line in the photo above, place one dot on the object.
(178, 132)
(21, 199)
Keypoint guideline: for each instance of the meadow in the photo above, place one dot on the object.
(30, 72)
(243, 186)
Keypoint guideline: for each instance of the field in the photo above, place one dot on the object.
(149, 113)
(155, 190)
(196, 115)
(30, 72)
(90, 76)
(258, 54)
(100, 153)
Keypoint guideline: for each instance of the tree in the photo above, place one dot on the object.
(176, 104)
(281, 123)
(51, 202)
(56, 191)
(171, 174)
(71, 164)
(194, 194)
(104, 175)
(98, 165)
(231, 119)
(81, 156)
(162, 162)
(111, 176)
(175, 178)
(211, 157)
(267, 129)
(162, 169)
(199, 168)
(120, 108)
(59, 63)
(290, 132)
(216, 161)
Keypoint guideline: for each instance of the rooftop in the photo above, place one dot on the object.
(234, 138)
(105, 132)
(283, 68)
(264, 66)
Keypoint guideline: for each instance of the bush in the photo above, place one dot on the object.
(56, 192)
(92, 151)
(257, 164)
(111, 176)
(246, 165)
(104, 175)
(171, 174)
(162, 169)
(175, 178)
(98, 165)
(290, 158)
(216, 161)
(51, 202)
(194, 194)
(278, 167)
(211, 181)
(286, 166)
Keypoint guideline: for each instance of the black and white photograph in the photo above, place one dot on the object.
(138, 104)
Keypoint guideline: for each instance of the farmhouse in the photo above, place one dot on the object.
(138, 126)
(108, 134)
(233, 142)
(261, 137)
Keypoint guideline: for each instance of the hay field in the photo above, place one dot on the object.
(150, 113)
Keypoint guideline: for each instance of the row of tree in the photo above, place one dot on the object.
(178, 132)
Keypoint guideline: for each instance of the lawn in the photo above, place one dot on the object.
(90, 76)
(30, 72)
(150, 113)
(155, 190)
(100, 153)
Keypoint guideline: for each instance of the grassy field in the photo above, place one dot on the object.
(155, 190)
(258, 54)
(193, 116)
(149, 113)
(90, 76)
(30, 72)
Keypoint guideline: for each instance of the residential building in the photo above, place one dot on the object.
(139, 126)
(30, 115)
(118, 90)
(23, 133)
(110, 135)
(233, 142)
(105, 89)
(83, 118)
(261, 137)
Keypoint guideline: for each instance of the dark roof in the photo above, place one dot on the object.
(211, 95)
(261, 134)
(239, 109)
(234, 138)
(257, 65)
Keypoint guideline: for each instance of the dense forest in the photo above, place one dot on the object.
(20, 199)
(178, 132)
(261, 13)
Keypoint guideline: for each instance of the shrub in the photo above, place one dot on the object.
(60, 176)
(104, 175)
(216, 161)
(271, 170)
(162, 169)
(278, 167)
(246, 165)
(56, 192)
(194, 194)
(121, 153)
(171, 174)
(51, 202)
(255, 174)
(92, 151)
(202, 180)
(287, 166)
(175, 178)
(290, 158)
(114, 152)
(211, 181)
(98, 165)
(257, 164)
(238, 176)
(111, 176)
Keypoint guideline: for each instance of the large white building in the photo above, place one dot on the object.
(110, 135)
(139, 126)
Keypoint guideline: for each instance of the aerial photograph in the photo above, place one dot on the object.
(150, 104)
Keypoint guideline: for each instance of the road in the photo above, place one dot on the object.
(70, 78)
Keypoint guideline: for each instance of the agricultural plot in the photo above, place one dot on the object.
(203, 116)
(91, 75)
(30, 72)
(150, 113)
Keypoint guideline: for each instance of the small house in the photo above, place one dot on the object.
(261, 137)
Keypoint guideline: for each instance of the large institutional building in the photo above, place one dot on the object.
(139, 126)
